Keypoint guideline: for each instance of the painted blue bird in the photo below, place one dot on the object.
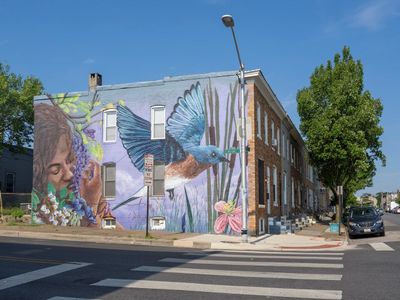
(181, 151)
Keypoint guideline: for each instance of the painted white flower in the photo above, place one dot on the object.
(52, 197)
(43, 208)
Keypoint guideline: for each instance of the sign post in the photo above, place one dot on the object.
(340, 194)
(148, 181)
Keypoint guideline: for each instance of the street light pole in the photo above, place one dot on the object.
(228, 22)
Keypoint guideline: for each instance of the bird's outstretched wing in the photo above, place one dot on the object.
(135, 134)
(187, 122)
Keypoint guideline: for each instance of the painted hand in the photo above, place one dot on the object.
(91, 188)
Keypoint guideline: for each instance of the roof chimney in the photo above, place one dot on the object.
(95, 80)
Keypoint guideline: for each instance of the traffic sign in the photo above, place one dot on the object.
(148, 169)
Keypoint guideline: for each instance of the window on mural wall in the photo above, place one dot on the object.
(158, 178)
(108, 171)
(110, 126)
(157, 122)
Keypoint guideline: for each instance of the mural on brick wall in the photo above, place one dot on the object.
(67, 186)
(201, 182)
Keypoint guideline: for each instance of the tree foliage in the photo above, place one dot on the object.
(340, 121)
(16, 108)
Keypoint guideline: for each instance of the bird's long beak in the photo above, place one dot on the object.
(224, 159)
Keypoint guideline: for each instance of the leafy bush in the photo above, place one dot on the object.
(16, 212)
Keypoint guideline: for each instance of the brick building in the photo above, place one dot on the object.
(188, 125)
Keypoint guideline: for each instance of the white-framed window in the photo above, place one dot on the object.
(291, 153)
(259, 121)
(283, 144)
(157, 122)
(108, 175)
(284, 188)
(158, 178)
(278, 139)
(268, 190)
(275, 185)
(287, 149)
(273, 139)
(10, 182)
(157, 223)
(292, 192)
(261, 225)
(266, 128)
(109, 126)
(299, 192)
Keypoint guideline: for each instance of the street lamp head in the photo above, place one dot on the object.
(228, 20)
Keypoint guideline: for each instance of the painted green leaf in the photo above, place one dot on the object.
(63, 193)
(51, 188)
(189, 212)
(35, 201)
(84, 139)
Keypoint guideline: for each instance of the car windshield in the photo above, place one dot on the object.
(363, 212)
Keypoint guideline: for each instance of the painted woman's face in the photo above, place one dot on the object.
(59, 170)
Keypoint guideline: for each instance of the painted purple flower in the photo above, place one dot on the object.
(89, 132)
(229, 214)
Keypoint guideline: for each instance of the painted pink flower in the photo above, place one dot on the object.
(229, 214)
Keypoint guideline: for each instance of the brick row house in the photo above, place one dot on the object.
(90, 149)
(281, 180)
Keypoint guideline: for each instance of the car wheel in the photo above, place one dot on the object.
(382, 234)
(351, 236)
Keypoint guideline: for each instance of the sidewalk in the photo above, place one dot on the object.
(314, 238)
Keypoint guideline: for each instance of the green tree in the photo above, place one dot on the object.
(340, 121)
(16, 108)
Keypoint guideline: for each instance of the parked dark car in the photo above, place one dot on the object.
(364, 220)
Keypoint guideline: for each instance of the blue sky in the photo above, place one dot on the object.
(61, 42)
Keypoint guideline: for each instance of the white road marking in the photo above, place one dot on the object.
(263, 256)
(39, 274)
(69, 298)
(221, 289)
(251, 263)
(214, 272)
(381, 247)
(277, 252)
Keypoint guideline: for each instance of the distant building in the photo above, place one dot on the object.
(15, 176)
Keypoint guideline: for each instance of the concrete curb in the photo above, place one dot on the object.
(219, 245)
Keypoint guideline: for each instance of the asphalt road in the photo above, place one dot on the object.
(57, 270)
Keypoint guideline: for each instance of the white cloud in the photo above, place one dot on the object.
(89, 61)
(374, 15)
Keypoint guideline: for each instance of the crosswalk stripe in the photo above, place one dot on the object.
(251, 263)
(263, 256)
(221, 289)
(277, 252)
(69, 298)
(214, 272)
(39, 274)
(381, 247)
